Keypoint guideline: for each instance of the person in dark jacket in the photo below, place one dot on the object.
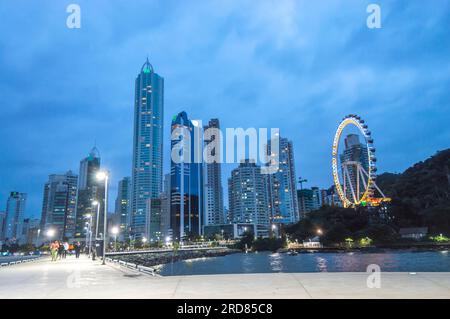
(60, 250)
(77, 248)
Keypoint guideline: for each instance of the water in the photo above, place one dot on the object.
(266, 262)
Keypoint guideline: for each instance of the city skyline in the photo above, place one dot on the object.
(328, 92)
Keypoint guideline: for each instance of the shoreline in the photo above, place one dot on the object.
(380, 248)
(156, 260)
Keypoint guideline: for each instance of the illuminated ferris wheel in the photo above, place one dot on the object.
(356, 185)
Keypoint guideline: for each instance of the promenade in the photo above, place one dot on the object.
(83, 278)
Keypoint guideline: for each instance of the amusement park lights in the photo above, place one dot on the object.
(364, 178)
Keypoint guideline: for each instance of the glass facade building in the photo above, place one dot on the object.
(89, 190)
(186, 179)
(59, 205)
(282, 185)
(147, 147)
(15, 211)
(214, 214)
(123, 207)
(248, 197)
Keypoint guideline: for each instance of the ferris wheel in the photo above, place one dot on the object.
(357, 184)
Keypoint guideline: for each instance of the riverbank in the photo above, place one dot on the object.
(379, 248)
(156, 259)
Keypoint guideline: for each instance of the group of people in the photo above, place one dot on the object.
(60, 249)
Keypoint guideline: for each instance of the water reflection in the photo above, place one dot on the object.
(276, 262)
(248, 264)
(321, 264)
(263, 262)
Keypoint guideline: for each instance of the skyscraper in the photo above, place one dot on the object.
(282, 191)
(186, 183)
(165, 208)
(59, 205)
(309, 199)
(123, 206)
(30, 231)
(90, 189)
(2, 225)
(248, 197)
(214, 214)
(354, 151)
(147, 146)
(15, 211)
(154, 220)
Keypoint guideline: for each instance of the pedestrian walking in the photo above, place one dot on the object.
(77, 248)
(60, 250)
(54, 250)
(66, 249)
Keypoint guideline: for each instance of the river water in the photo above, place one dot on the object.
(266, 262)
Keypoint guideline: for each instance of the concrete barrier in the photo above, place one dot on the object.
(146, 270)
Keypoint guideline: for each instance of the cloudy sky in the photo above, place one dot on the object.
(297, 65)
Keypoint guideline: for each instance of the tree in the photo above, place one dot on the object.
(336, 234)
(246, 241)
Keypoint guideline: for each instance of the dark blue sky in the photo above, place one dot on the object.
(297, 65)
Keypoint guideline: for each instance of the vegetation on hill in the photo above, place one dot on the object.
(421, 195)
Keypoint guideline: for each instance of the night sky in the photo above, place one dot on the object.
(297, 65)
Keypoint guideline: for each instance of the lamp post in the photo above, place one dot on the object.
(96, 203)
(103, 176)
(144, 240)
(275, 230)
(38, 235)
(89, 234)
(115, 231)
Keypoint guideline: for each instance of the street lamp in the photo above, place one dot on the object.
(96, 203)
(89, 233)
(319, 232)
(168, 240)
(115, 231)
(274, 230)
(50, 233)
(144, 240)
(103, 176)
(38, 235)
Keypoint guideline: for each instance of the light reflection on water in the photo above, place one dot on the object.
(276, 263)
(321, 264)
(264, 262)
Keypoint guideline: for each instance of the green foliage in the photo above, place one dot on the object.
(440, 239)
(349, 242)
(366, 241)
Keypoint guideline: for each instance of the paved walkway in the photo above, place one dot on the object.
(83, 278)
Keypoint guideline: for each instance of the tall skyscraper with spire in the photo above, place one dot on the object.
(147, 147)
